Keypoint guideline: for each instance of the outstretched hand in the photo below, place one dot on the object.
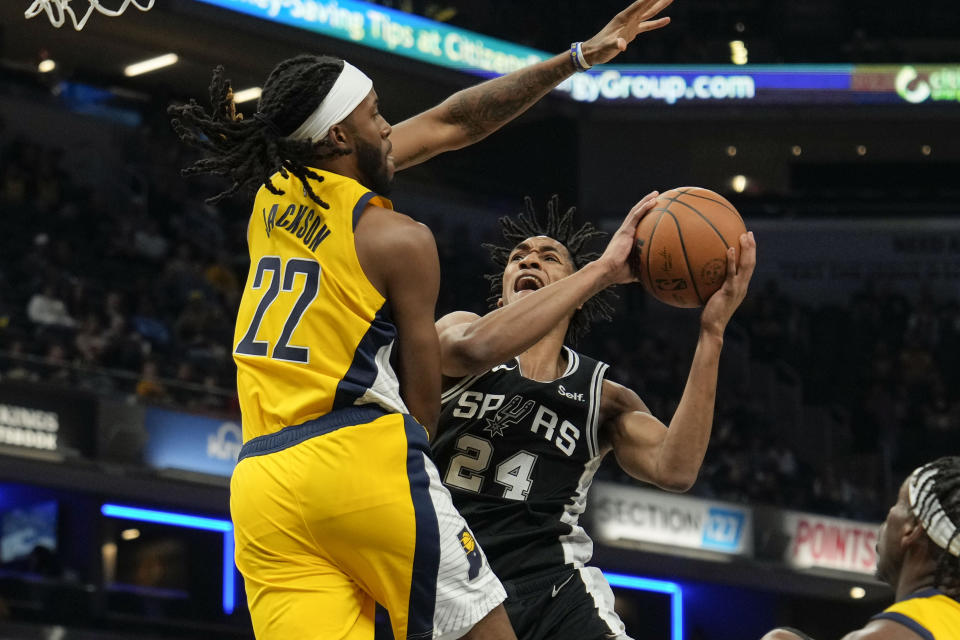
(616, 257)
(721, 305)
(624, 27)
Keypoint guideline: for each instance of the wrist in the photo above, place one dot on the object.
(578, 57)
(590, 51)
(712, 333)
(601, 274)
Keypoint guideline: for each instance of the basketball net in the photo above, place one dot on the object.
(58, 10)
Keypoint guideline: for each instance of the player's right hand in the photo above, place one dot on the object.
(616, 257)
(721, 305)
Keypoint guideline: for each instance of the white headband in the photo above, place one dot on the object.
(936, 523)
(351, 87)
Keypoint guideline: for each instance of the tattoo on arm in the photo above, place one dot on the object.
(482, 109)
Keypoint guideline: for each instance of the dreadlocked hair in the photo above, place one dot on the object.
(559, 226)
(945, 486)
(249, 152)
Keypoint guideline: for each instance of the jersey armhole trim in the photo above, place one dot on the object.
(593, 411)
(360, 206)
(906, 621)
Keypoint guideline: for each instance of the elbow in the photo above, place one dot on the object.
(468, 357)
(677, 481)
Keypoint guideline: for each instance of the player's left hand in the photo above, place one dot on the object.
(721, 305)
(624, 27)
(616, 258)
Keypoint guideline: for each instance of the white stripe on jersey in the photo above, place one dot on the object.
(602, 594)
(577, 545)
(385, 390)
(593, 412)
(457, 388)
(573, 362)
(460, 602)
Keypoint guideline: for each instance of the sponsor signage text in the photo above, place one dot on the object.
(641, 515)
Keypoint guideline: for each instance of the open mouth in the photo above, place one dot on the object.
(527, 283)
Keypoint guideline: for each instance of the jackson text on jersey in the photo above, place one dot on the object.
(313, 335)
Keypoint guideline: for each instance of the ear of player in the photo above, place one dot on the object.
(680, 246)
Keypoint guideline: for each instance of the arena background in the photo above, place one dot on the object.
(833, 126)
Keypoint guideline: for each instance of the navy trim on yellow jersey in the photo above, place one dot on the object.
(906, 621)
(927, 592)
(290, 436)
(426, 555)
(360, 206)
(363, 370)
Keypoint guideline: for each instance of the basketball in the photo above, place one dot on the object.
(680, 249)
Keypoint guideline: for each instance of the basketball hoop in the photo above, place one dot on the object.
(58, 10)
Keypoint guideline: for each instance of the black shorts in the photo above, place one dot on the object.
(574, 605)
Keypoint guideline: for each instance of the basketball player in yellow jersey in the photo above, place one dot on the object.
(336, 505)
(918, 554)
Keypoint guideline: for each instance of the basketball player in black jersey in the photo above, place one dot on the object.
(526, 420)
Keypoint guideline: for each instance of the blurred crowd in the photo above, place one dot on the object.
(819, 407)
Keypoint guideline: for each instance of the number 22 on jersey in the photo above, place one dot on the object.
(283, 279)
(467, 468)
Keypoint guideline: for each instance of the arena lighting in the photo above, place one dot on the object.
(739, 183)
(796, 150)
(189, 522)
(738, 52)
(926, 150)
(130, 534)
(731, 151)
(857, 592)
(152, 64)
(46, 66)
(246, 95)
(660, 586)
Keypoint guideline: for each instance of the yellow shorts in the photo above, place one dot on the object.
(346, 511)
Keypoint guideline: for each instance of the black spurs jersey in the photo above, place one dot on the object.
(518, 457)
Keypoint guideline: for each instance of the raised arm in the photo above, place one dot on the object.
(470, 343)
(644, 447)
(399, 256)
(472, 114)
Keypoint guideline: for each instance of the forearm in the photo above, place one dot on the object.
(480, 110)
(512, 329)
(685, 443)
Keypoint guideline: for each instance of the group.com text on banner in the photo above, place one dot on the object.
(669, 88)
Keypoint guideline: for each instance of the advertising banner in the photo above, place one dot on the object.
(47, 418)
(829, 543)
(620, 513)
(177, 440)
(393, 31)
(437, 43)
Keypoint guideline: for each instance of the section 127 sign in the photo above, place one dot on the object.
(640, 515)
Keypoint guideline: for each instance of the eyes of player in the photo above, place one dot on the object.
(545, 256)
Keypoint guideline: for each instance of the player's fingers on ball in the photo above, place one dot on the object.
(731, 263)
(748, 254)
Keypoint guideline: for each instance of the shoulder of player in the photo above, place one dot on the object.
(883, 629)
(394, 237)
(616, 399)
(454, 319)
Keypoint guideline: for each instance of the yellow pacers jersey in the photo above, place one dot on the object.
(313, 335)
(928, 613)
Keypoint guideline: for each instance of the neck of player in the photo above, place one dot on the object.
(546, 360)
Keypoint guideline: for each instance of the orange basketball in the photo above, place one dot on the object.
(681, 244)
